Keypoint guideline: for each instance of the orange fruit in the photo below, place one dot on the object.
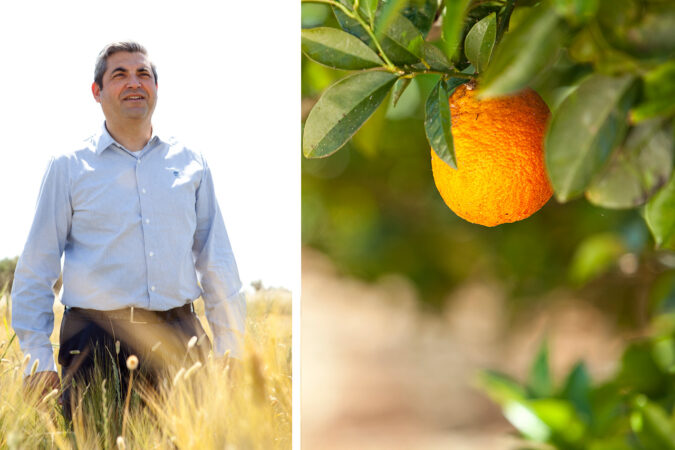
(499, 142)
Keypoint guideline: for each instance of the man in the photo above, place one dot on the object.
(136, 215)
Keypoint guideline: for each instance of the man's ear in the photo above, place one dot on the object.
(96, 91)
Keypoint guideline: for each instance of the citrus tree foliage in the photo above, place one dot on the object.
(606, 65)
(376, 80)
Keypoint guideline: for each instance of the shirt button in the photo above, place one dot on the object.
(151, 253)
(138, 161)
(143, 190)
(152, 289)
(147, 220)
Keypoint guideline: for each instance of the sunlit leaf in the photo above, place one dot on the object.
(338, 49)
(437, 125)
(453, 22)
(560, 417)
(527, 421)
(524, 52)
(342, 109)
(480, 41)
(660, 216)
(584, 130)
(637, 170)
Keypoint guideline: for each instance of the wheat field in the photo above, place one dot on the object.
(199, 407)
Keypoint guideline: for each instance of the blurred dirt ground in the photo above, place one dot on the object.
(377, 373)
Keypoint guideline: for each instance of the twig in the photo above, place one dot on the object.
(504, 22)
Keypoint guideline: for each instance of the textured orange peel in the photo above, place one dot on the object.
(499, 147)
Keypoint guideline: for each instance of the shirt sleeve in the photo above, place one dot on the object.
(39, 267)
(224, 301)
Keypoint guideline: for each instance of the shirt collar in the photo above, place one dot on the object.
(105, 140)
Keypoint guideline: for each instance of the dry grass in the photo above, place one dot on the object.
(201, 407)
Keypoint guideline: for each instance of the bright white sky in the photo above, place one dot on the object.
(229, 86)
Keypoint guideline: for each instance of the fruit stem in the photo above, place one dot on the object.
(449, 74)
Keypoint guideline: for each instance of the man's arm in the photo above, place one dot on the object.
(39, 267)
(224, 301)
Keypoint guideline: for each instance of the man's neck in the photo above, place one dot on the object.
(132, 136)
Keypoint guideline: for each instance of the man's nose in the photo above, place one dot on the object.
(133, 81)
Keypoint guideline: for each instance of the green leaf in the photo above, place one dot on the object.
(540, 382)
(577, 12)
(342, 109)
(659, 93)
(637, 170)
(499, 387)
(479, 42)
(584, 130)
(421, 13)
(524, 52)
(561, 418)
(656, 427)
(643, 30)
(402, 42)
(337, 49)
(639, 372)
(663, 351)
(577, 390)
(437, 125)
(521, 416)
(434, 57)
(400, 86)
(660, 216)
(453, 23)
(386, 15)
(594, 256)
(370, 7)
(352, 26)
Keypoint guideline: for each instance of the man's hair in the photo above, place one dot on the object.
(115, 47)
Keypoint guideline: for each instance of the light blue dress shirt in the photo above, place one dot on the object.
(138, 229)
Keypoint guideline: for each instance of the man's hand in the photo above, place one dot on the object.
(41, 382)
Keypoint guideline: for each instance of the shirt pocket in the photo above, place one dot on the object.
(178, 193)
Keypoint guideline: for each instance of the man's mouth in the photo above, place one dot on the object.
(134, 97)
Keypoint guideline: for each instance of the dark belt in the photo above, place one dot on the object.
(137, 315)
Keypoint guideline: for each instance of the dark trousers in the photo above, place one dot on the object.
(94, 347)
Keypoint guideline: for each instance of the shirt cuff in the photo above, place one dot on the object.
(45, 358)
(227, 320)
(228, 340)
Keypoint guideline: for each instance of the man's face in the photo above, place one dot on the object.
(129, 90)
